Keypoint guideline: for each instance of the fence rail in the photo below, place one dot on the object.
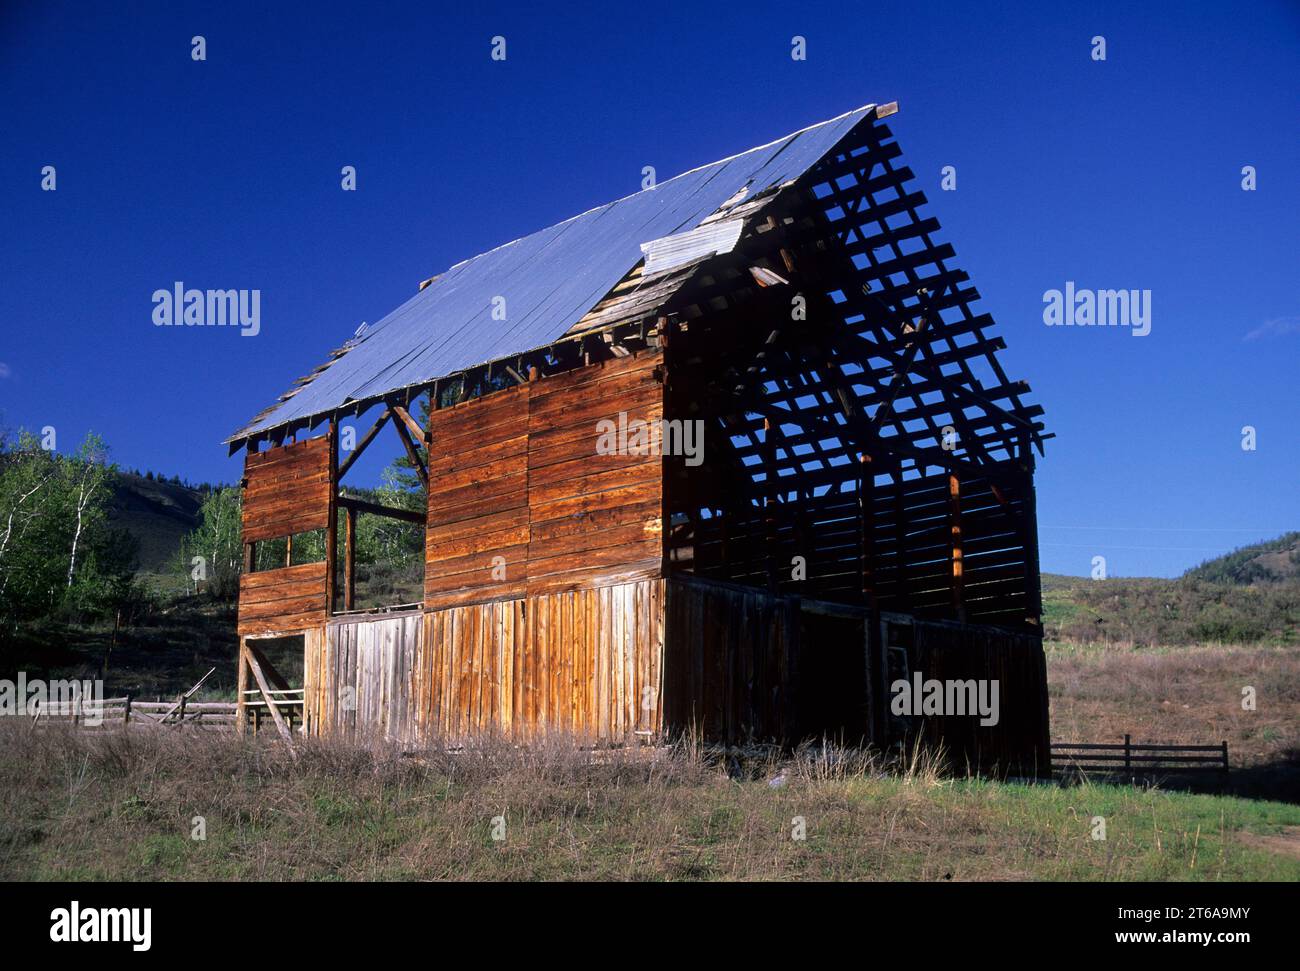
(1138, 759)
(117, 712)
(127, 712)
(290, 702)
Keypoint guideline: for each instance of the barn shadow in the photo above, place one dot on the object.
(1276, 781)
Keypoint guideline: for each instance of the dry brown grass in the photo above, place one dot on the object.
(1186, 696)
(121, 806)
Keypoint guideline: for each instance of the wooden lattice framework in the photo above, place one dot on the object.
(875, 433)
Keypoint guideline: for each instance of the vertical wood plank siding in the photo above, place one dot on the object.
(1019, 743)
(659, 657)
(729, 666)
(516, 475)
(582, 663)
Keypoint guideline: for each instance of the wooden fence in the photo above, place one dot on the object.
(289, 702)
(1138, 759)
(127, 712)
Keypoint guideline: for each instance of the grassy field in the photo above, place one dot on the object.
(119, 806)
(123, 806)
(1186, 696)
(114, 806)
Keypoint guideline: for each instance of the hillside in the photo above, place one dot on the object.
(157, 513)
(1274, 561)
(1251, 595)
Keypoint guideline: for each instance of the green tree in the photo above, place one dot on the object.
(58, 550)
(212, 556)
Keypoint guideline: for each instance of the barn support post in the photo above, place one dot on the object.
(405, 427)
(866, 529)
(428, 447)
(332, 521)
(877, 678)
(903, 591)
(241, 680)
(349, 557)
(663, 331)
(870, 698)
(954, 525)
(1029, 519)
(769, 504)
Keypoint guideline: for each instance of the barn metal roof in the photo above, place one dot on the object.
(548, 281)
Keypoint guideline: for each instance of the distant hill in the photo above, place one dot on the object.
(1251, 595)
(1274, 561)
(157, 513)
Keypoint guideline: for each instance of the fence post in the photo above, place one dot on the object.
(1128, 754)
(1225, 756)
(126, 712)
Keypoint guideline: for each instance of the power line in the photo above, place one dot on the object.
(1166, 529)
(1118, 546)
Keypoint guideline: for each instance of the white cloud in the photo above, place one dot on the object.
(1276, 327)
(4, 370)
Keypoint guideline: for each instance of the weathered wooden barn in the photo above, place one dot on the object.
(734, 453)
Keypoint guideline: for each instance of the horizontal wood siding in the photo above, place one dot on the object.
(907, 545)
(291, 598)
(584, 663)
(286, 490)
(516, 475)
(593, 517)
(478, 500)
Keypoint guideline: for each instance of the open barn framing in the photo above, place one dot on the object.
(861, 508)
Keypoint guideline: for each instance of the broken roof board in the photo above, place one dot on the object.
(548, 280)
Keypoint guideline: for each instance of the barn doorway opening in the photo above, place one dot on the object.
(274, 692)
(897, 637)
(833, 693)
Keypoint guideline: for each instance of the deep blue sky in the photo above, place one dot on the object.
(225, 173)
